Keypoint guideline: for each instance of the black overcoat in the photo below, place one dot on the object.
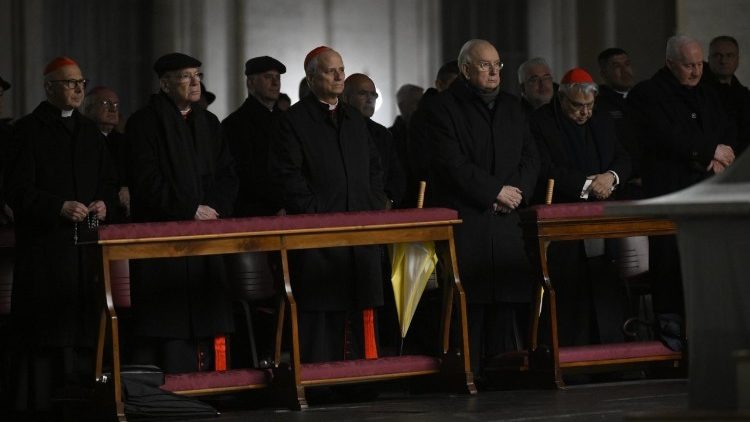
(326, 167)
(178, 164)
(679, 129)
(249, 131)
(55, 298)
(394, 178)
(557, 162)
(476, 151)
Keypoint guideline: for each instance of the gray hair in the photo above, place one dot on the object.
(535, 61)
(408, 90)
(675, 44)
(586, 88)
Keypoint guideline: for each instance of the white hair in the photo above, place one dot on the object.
(463, 54)
(535, 61)
(675, 44)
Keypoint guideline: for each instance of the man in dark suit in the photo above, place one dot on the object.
(360, 93)
(327, 162)
(616, 70)
(686, 137)
(249, 132)
(102, 105)
(181, 170)
(485, 165)
(60, 179)
(579, 149)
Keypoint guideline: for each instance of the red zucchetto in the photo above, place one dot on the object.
(314, 53)
(576, 75)
(57, 63)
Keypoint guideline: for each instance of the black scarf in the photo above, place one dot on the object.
(187, 144)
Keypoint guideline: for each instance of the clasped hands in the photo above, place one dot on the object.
(77, 212)
(204, 212)
(723, 158)
(602, 185)
(507, 200)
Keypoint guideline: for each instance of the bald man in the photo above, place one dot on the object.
(327, 162)
(686, 137)
(485, 165)
(60, 182)
(360, 93)
(102, 105)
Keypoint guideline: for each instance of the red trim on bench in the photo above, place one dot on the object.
(215, 380)
(261, 224)
(368, 367)
(614, 351)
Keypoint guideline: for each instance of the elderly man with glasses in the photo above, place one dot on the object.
(180, 170)
(102, 105)
(484, 164)
(579, 149)
(60, 178)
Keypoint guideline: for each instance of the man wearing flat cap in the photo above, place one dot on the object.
(327, 162)
(181, 170)
(61, 179)
(249, 131)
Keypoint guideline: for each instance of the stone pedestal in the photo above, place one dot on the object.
(713, 220)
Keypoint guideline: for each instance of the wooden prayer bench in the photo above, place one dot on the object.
(284, 233)
(543, 224)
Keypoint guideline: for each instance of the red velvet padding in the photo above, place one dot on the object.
(636, 349)
(368, 367)
(572, 210)
(119, 274)
(262, 224)
(212, 379)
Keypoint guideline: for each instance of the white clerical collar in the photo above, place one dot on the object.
(67, 113)
(185, 112)
(623, 93)
(331, 107)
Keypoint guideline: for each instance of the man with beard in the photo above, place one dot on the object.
(60, 181)
(485, 165)
(181, 170)
(327, 162)
(536, 82)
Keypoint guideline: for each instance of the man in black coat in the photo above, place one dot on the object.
(419, 147)
(249, 131)
(102, 105)
(616, 70)
(327, 162)
(60, 179)
(579, 149)
(359, 92)
(723, 60)
(181, 170)
(686, 137)
(485, 165)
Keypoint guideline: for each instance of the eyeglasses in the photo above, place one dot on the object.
(72, 83)
(534, 80)
(187, 77)
(371, 94)
(110, 106)
(485, 66)
(575, 105)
